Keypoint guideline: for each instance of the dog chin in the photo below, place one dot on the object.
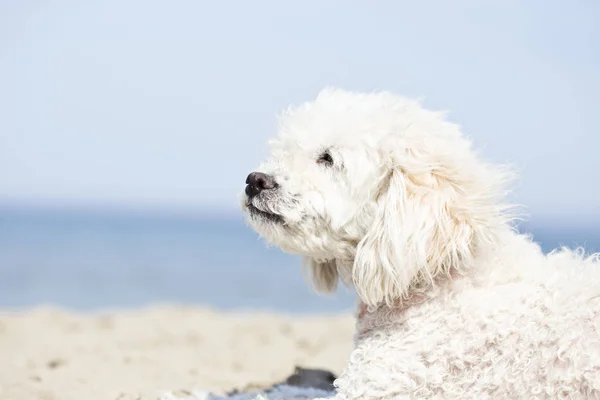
(256, 214)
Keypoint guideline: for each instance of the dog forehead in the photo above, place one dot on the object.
(364, 123)
(341, 118)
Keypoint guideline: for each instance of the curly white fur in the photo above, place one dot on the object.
(454, 303)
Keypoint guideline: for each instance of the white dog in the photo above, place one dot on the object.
(377, 192)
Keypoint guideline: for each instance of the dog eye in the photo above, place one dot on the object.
(325, 159)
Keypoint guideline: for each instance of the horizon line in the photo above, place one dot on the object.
(186, 211)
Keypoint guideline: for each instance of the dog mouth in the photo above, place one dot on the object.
(258, 213)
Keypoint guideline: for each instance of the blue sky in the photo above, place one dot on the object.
(168, 104)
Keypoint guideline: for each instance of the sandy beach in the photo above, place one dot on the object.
(52, 354)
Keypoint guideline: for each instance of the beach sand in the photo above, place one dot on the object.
(52, 354)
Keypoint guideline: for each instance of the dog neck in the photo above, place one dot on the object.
(484, 271)
(370, 317)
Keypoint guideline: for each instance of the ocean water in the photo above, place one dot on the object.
(100, 260)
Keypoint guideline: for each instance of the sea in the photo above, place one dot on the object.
(98, 260)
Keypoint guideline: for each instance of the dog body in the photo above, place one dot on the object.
(375, 191)
(525, 325)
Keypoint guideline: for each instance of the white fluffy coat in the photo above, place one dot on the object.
(376, 191)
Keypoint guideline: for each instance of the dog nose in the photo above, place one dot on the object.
(257, 182)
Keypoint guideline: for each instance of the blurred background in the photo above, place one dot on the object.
(127, 129)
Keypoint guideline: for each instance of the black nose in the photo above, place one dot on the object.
(257, 182)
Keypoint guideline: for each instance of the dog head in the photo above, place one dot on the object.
(377, 190)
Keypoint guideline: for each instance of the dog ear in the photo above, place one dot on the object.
(322, 274)
(415, 237)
